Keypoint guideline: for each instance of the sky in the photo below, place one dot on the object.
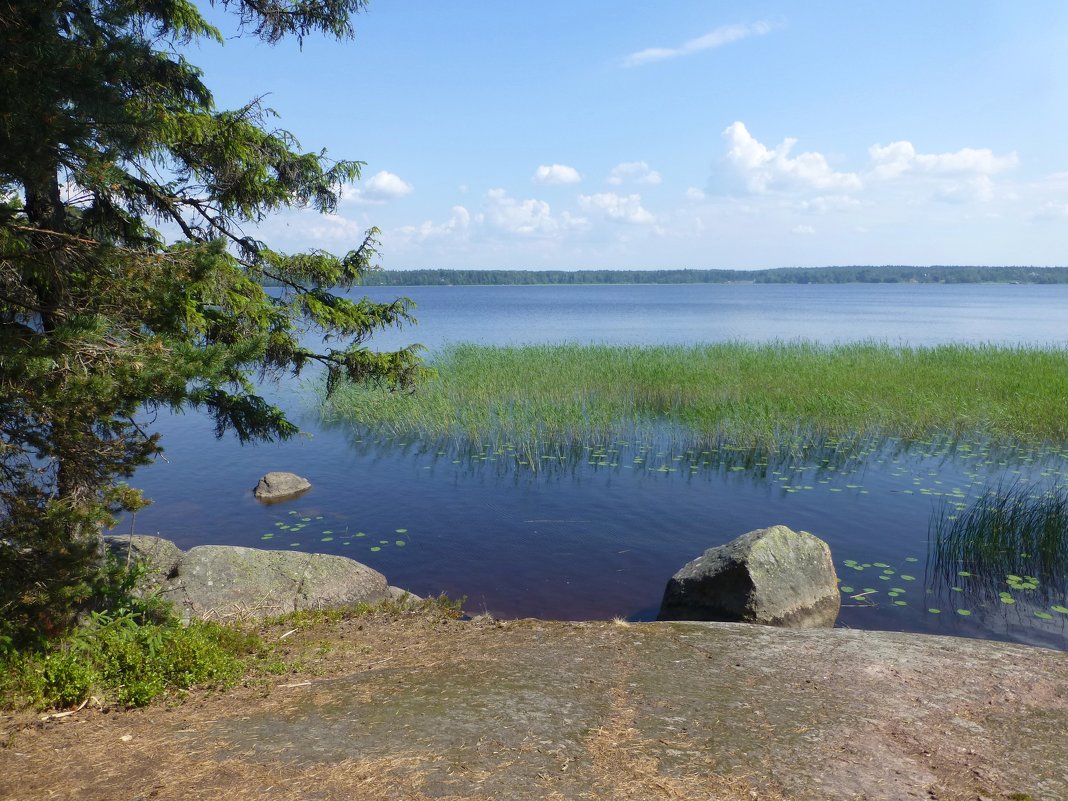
(592, 134)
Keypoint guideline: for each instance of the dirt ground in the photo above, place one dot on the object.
(417, 707)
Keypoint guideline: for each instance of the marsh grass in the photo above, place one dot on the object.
(1010, 541)
(541, 397)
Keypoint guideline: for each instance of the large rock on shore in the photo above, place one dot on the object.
(772, 576)
(277, 485)
(225, 582)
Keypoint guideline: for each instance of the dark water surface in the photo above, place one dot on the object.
(597, 533)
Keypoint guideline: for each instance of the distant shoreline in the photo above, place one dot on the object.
(888, 274)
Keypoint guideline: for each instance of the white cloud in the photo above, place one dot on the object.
(457, 225)
(529, 217)
(803, 230)
(556, 174)
(826, 204)
(695, 195)
(620, 208)
(379, 188)
(723, 35)
(899, 158)
(385, 184)
(635, 171)
(978, 188)
(333, 229)
(764, 169)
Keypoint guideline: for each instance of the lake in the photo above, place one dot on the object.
(598, 534)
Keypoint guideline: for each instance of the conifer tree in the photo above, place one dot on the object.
(108, 135)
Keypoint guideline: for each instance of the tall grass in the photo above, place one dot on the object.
(748, 394)
(1012, 536)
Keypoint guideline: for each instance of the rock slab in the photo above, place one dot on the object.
(224, 582)
(772, 576)
(277, 485)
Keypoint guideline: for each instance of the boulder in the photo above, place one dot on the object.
(772, 576)
(158, 556)
(277, 485)
(227, 582)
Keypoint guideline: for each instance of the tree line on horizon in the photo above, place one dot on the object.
(888, 274)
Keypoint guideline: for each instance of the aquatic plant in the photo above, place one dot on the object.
(768, 395)
(1009, 543)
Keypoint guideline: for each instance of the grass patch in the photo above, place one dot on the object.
(746, 394)
(124, 659)
(134, 658)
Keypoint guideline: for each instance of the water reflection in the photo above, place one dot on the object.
(968, 569)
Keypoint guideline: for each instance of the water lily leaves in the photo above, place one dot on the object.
(1060, 610)
(1022, 582)
(964, 612)
(934, 611)
(400, 543)
(846, 589)
(376, 548)
(1043, 615)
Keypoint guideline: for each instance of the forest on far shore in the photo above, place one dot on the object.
(888, 274)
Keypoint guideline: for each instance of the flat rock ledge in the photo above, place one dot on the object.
(224, 582)
(771, 576)
(277, 485)
(533, 710)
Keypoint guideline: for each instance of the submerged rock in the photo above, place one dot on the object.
(772, 576)
(226, 582)
(277, 485)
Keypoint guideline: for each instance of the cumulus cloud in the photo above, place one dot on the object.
(332, 230)
(556, 174)
(765, 169)
(621, 208)
(379, 188)
(898, 158)
(695, 195)
(457, 225)
(723, 35)
(529, 217)
(803, 230)
(634, 171)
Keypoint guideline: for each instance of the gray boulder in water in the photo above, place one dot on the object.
(772, 576)
(276, 485)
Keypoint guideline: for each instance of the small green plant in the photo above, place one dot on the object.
(123, 657)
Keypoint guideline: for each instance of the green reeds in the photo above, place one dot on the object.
(771, 395)
(1009, 545)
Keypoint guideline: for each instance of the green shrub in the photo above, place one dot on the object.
(125, 658)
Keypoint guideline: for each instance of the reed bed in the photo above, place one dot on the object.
(1010, 537)
(748, 394)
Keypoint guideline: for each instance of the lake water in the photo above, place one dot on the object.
(598, 533)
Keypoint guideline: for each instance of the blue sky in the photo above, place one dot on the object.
(600, 134)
